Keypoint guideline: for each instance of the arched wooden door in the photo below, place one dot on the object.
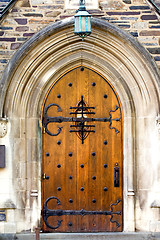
(82, 155)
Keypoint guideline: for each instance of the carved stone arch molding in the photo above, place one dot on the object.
(36, 65)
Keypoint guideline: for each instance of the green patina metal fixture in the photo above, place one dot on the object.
(82, 23)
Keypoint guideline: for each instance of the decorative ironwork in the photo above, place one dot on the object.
(46, 213)
(81, 126)
(47, 119)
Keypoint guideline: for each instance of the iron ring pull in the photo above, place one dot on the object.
(46, 213)
(46, 119)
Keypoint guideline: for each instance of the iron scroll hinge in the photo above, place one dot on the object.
(115, 119)
(111, 206)
(46, 213)
(46, 120)
(82, 125)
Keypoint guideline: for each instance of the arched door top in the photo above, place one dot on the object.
(109, 50)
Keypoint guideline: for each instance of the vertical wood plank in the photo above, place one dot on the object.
(105, 143)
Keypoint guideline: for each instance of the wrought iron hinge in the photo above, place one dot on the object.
(46, 213)
(80, 118)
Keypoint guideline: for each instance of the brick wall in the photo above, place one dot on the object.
(29, 16)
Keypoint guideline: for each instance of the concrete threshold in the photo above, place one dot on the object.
(83, 236)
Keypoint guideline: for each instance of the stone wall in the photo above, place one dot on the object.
(124, 63)
(29, 16)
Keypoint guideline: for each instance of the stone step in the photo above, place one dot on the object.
(83, 236)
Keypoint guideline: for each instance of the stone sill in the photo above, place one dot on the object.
(84, 236)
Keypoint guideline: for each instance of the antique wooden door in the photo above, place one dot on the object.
(82, 155)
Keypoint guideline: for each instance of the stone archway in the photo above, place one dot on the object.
(37, 64)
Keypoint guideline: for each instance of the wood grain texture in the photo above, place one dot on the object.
(97, 175)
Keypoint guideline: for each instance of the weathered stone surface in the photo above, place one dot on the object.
(46, 2)
(139, 7)
(149, 17)
(26, 3)
(153, 26)
(134, 34)
(14, 10)
(154, 50)
(157, 58)
(33, 15)
(123, 13)
(28, 34)
(8, 39)
(6, 53)
(22, 39)
(125, 26)
(90, 236)
(40, 22)
(6, 28)
(112, 4)
(139, 25)
(149, 33)
(21, 21)
(52, 13)
(23, 3)
(3, 61)
(150, 44)
(22, 29)
(130, 18)
(127, 1)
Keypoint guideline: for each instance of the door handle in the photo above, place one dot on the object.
(116, 175)
(44, 176)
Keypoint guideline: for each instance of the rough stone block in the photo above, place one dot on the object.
(134, 34)
(3, 60)
(8, 39)
(22, 39)
(149, 33)
(15, 46)
(23, 3)
(154, 50)
(6, 28)
(125, 26)
(150, 44)
(157, 58)
(139, 7)
(28, 34)
(112, 5)
(21, 21)
(22, 29)
(149, 17)
(154, 26)
(33, 15)
(130, 18)
(140, 25)
(127, 1)
(123, 13)
(52, 13)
